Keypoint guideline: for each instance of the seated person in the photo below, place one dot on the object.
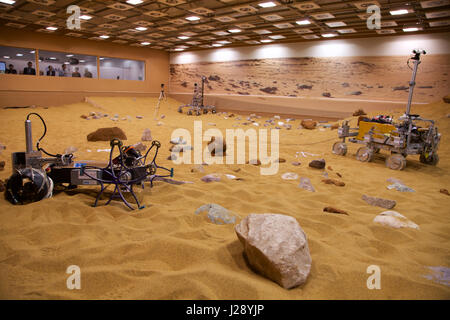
(87, 73)
(63, 72)
(29, 69)
(51, 72)
(11, 69)
(76, 73)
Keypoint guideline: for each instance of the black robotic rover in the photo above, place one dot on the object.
(35, 177)
(197, 106)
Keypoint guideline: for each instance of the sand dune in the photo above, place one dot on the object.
(165, 251)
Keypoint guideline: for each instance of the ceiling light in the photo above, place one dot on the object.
(217, 45)
(234, 30)
(192, 18)
(398, 12)
(32, 51)
(6, 57)
(19, 55)
(329, 35)
(101, 58)
(82, 61)
(134, 2)
(268, 4)
(52, 58)
(410, 29)
(104, 37)
(178, 49)
(8, 1)
(52, 28)
(303, 22)
(266, 40)
(69, 55)
(183, 37)
(145, 43)
(66, 62)
(85, 17)
(141, 28)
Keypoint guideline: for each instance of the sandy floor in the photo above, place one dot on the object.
(165, 251)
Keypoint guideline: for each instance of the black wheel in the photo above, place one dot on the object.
(340, 148)
(364, 154)
(431, 160)
(205, 111)
(189, 113)
(396, 161)
(28, 185)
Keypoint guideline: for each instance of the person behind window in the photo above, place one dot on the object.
(51, 72)
(63, 72)
(29, 69)
(87, 73)
(76, 73)
(11, 69)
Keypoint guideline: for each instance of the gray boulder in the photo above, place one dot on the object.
(384, 203)
(276, 246)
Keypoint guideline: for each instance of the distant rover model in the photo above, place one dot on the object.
(196, 106)
(401, 139)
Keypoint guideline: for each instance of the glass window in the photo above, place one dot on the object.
(63, 64)
(121, 69)
(18, 60)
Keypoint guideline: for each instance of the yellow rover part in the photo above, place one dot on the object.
(382, 130)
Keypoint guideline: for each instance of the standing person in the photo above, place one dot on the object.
(87, 73)
(51, 72)
(11, 69)
(29, 69)
(162, 96)
(76, 74)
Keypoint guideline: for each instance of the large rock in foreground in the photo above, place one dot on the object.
(106, 134)
(277, 247)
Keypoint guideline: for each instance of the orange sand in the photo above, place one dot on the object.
(165, 251)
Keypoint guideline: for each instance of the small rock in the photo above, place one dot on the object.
(172, 157)
(2, 165)
(326, 94)
(400, 187)
(400, 88)
(308, 124)
(330, 168)
(444, 191)
(217, 214)
(305, 183)
(277, 247)
(197, 168)
(339, 175)
(107, 134)
(140, 147)
(395, 220)
(446, 98)
(289, 176)
(162, 116)
(318, 164)
(333, 181)
(230, 176)
(384, 203)
(83, 116)
(147, 135)
(139, 117)
(280, 160)
(160, 123)
(334, 210)
(210, 178)
(359, 112)
(296, 163)
(2, 186)
(334, 126)
(178, 141)
(254, 162)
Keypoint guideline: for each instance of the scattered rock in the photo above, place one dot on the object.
(270, 90)
(160, 123)
(146, 135)
(178, 141)
(446, 98)
(211, 178)
(400, 88)
(140, 147)
(296, 163)
(395, 220)
(107, 134)
(172, 157)
(217, 146)
(280, 160)
(197, 168)
(289, 176)
(339, 175)
(213, 78)
(439, 275)
(2, 165)
(379, 202)
(444, 191)
(277, 247)
(333, 181)
(305, 183)
(254, 162)
(326, 94)
(400, 187)
(2, 186)
(334, 210)
(304, 87)
(355, 93)
(334, 126)
(139, 117)
(345, 84)
(359, 112)
(83, 116)
(318, 164)
(162, 116)
(217, 214)
(308, 124)
(330, 168)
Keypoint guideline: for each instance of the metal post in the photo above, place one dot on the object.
(203, 85)
(28, 136)
(412, 83)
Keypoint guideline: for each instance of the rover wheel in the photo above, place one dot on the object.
(180, 110)
(340, 148)
(364, 154)
(28, 185)
(431, 160)
(189, 113)
(396, 162)
(205, 111)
